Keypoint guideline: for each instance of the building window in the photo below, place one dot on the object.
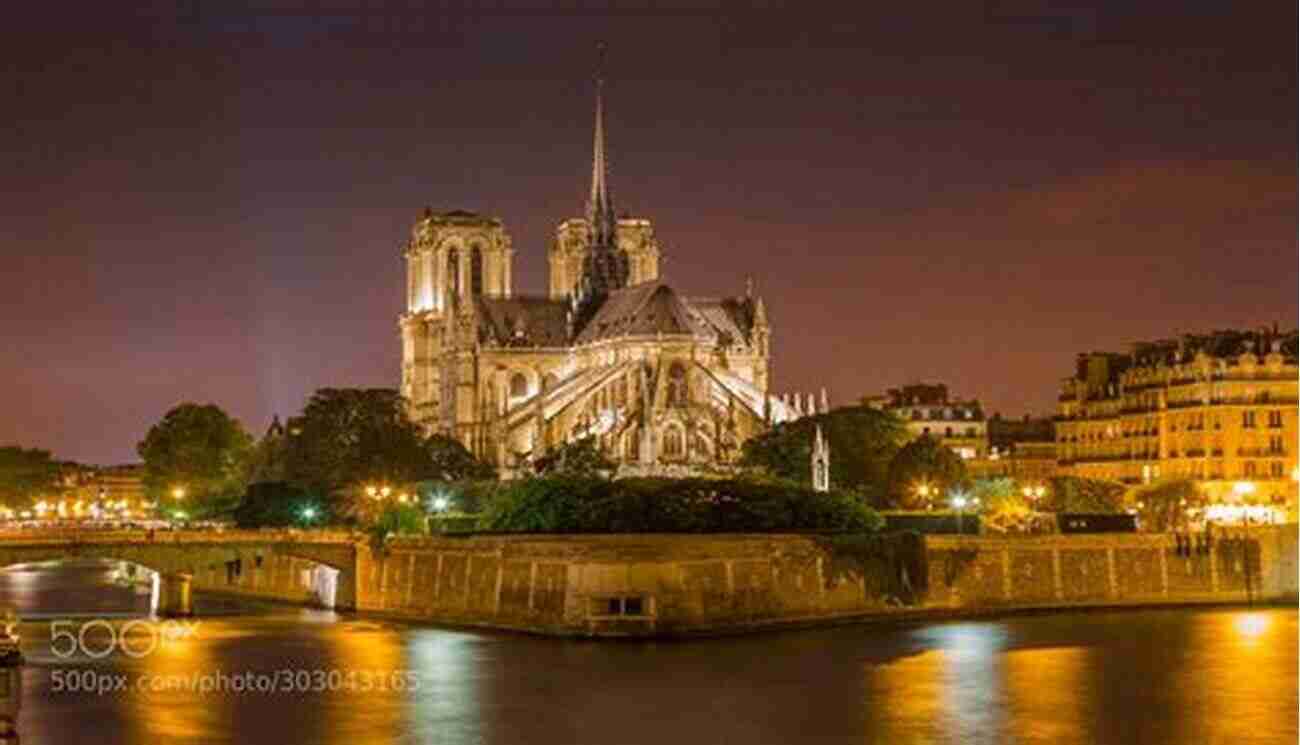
(673, 445)
(1275, 419)
(1275, 445)
(677, 393)
(1276, 469)
(1249, 469)
(518, 385)
(1248, 419)
(476, 271)
(550, 381)
(453, 271)
(947, 431)
(630, 605)
(970, 432)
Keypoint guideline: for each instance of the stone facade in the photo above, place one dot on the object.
(1217, 408)
(927, 409)
(648, 585)
(660, 379)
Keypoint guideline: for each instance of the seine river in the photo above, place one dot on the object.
(1184, 677)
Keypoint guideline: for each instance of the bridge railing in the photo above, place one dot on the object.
(101, 535)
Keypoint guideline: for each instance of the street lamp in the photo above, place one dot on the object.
(308, 514)
(178, 492)
(959, 501)
(372, 492)
(439, 504)
(923, 491)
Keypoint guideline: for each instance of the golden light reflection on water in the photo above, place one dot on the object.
(972, 689)
(1233, 694)
(163, 715)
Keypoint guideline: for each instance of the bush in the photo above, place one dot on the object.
(275, 504)
(591, 505)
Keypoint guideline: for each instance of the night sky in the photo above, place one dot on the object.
(208, 204)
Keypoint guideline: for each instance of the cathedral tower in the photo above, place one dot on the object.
(450, 258)
(601, 251)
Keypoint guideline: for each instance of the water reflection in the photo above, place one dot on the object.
(1176, 676)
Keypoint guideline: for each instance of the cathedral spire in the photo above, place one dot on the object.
(600, 208)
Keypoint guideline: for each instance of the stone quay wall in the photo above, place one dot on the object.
(648, 585)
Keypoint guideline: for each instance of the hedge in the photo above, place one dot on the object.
(652, 505)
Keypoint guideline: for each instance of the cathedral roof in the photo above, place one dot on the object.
(523, 321)
(649, 308)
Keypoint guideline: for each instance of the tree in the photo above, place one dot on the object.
(862, 440)
(199, 449)
(26, 474)
(452, 462)
(346, 437)
(1162, 507)
(1077, 494)
(580, 458)
(923, 461)
(277, 504)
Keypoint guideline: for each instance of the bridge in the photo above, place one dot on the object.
(176, 557)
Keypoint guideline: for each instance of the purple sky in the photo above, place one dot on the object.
(209, 206)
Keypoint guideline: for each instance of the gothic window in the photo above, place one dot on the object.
(674, 447)
(518, 385)
(550, 381)
(453, 271)
(677, 393)
(632, 444)
(476, 271)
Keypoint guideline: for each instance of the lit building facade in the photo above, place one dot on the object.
(1217, 408)
(611, 351)
(927, 409)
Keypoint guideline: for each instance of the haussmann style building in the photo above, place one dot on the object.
(1217, 408)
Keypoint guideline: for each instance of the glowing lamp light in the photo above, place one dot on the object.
(1242, 488)
(439, 504)
(308, 513)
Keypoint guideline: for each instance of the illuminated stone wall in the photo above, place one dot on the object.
(644, 585)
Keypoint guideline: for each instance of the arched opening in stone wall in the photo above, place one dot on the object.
(77, 585)
(677, 388)
(453, 272)
(476, 271)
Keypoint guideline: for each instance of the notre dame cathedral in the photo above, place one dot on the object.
(663, 381)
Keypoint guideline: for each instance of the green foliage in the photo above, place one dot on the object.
(593, 505)
(1076, 494)
(1162, 507)
(862, 440)
(346, 437)
(581, 458)
(277, 504)
(200, 449)
(452, 462)
(923, 461)
(1003, 507)
(26, 474)
(470, 497)
(397, 519)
